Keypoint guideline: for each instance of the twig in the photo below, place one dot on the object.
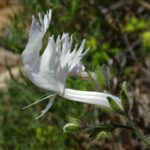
(115, 6)
(144, 4)
(104, 126)
(129, 48)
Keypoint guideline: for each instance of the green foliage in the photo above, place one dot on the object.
(15, 37)
(101, 54)
(91, 43)
(100, 58)
(135, 24)
(145, 36)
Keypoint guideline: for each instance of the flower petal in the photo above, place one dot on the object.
(30, 54)
(50, 70)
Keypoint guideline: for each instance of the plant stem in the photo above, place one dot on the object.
(121, 126)
(111, 126)
(138, 132)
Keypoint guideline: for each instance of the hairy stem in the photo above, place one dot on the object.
(138, 132)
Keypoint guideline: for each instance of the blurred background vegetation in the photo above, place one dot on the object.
(118, 34)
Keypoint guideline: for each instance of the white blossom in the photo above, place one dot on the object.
(50, 70)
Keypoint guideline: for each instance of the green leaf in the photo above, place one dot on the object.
(125, 101)
(124, 98)
(100, 77)
(115, 107)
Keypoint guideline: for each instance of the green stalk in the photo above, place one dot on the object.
(121, 126)
(138, 132)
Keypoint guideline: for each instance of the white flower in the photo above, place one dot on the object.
(50, 70)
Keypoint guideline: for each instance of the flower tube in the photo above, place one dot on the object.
(89, 97)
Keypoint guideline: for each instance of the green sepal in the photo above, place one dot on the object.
(114, 106)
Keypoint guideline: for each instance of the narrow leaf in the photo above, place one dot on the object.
(124, 98)
(125, 101)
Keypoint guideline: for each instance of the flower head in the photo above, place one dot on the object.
(49, 71)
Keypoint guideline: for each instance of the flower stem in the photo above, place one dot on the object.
(121, 126)
(138, 132)
(108, 126)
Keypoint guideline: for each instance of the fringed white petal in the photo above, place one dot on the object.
(50, 70)
(49, 57)
(30, 54)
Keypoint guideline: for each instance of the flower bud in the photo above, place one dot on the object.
(72, 127)
(103, 135)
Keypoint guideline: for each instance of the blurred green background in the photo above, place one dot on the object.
(118, 34)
